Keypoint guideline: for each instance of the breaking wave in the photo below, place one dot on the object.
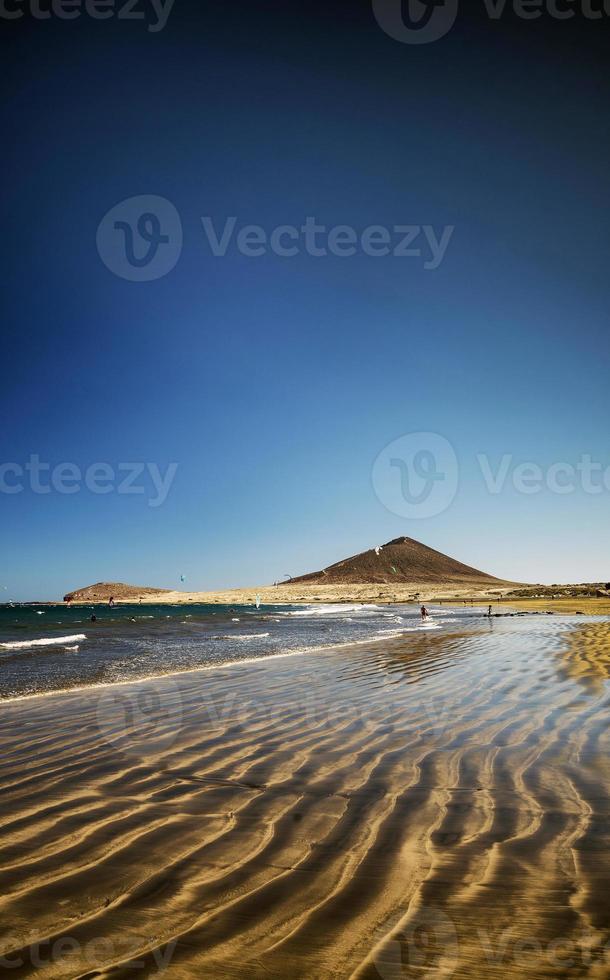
(54, 641)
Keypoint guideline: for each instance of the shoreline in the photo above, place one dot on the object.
(84, 689)
(264, 658)
(149, 678)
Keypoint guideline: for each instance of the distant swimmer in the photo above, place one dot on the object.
(424, 614)
(111, 601)
(94, 618)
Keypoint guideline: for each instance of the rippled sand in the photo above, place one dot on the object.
(434, 807)
(587, 655)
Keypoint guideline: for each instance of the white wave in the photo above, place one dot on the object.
(332, 608)
(43, 642)
(74, 649)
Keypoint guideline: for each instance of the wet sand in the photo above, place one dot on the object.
(587, 655)
(583, 605)
(432, 806)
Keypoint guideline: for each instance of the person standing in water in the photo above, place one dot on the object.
(489, 612)
(424, 614)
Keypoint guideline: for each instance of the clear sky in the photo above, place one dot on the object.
(274, 382)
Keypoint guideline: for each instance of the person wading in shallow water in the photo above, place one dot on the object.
(489, 611)
(111, 601)
(424, 614)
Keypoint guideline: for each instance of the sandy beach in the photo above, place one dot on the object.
(290, 594)
(434, 805)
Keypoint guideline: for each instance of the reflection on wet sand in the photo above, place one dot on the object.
(435, 806)
(587, 655)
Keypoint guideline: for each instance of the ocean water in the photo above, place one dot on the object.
(50, 648)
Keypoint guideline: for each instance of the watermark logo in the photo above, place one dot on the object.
(424, 21)
(417, 475)
(416, 21)
(141, 719)
(154, 13)
(140, 239)
(427, 947)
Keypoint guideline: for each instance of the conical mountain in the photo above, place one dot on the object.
(400, 560)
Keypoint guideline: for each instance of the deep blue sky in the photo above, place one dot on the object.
(274, 382)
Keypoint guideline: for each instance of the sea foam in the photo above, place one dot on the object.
(332, 608)
(50, 641)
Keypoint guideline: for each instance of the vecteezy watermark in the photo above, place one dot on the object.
(426, 943)
(416, 21)
(140, 719)
(140, 239)
(96, 953)
(429, 716)
(424, 21)
(417, 475)
(154, 13)
(36, 476)
(588, 475)
(310, 237)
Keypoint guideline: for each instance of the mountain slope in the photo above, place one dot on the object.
(400, 560)
(102, 591)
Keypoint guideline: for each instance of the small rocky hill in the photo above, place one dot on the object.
(103, 591)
